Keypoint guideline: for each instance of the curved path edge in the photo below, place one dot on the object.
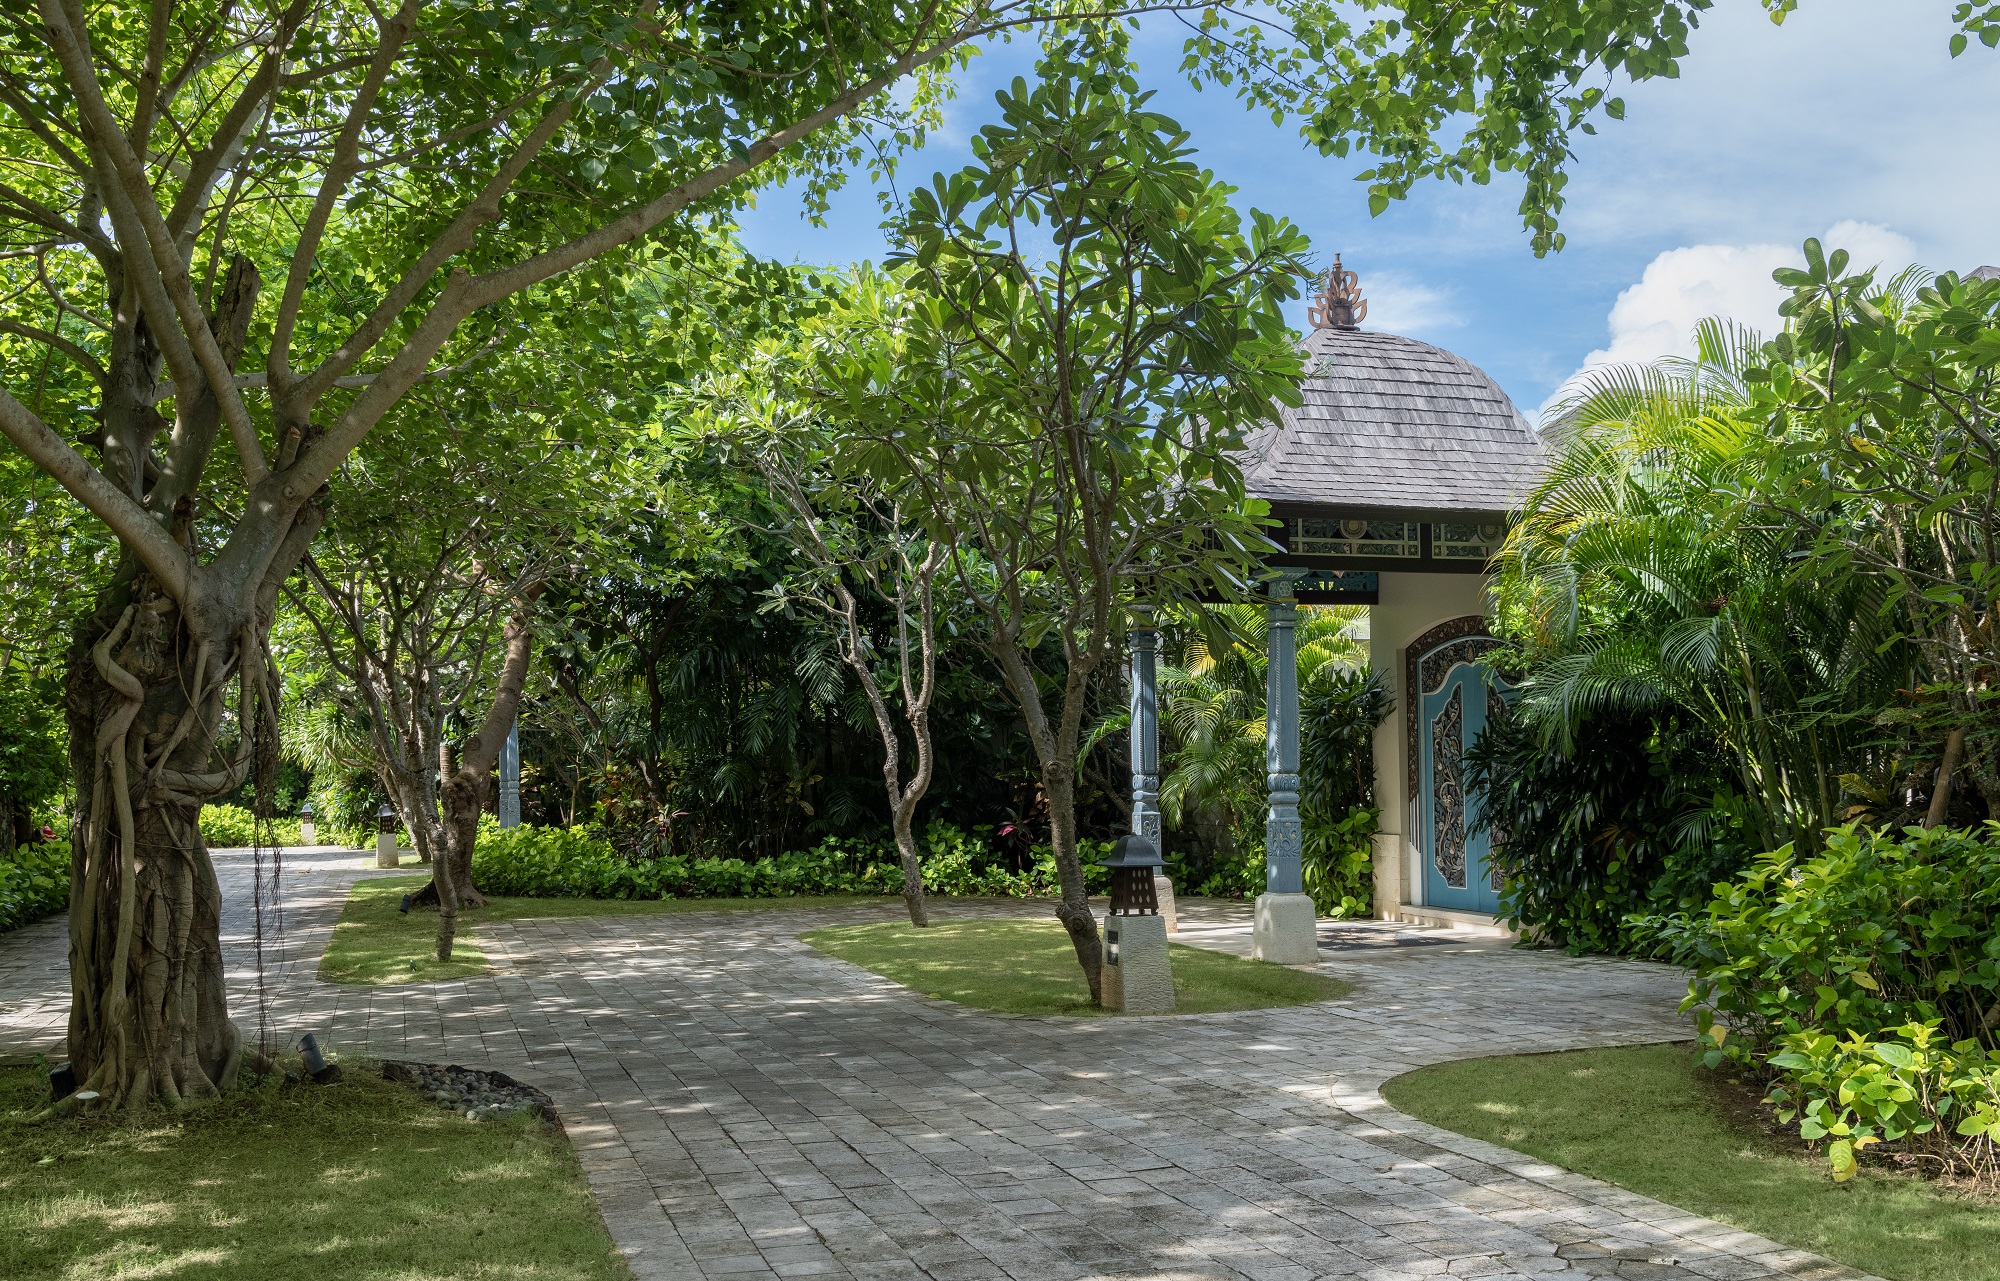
(745, 1106)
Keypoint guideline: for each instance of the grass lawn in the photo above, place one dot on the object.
(1029, 967)
(1651, 1119)
(374, 943)
(360, 1179)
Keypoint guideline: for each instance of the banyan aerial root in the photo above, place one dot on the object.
(148, 1022)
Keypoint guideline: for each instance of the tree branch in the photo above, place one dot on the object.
(160, 554)
(342, 167)
(170, 276)
(64, 345)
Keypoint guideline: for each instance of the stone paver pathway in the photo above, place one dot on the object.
(747, 1107)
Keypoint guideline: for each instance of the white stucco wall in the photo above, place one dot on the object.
(1411, 604)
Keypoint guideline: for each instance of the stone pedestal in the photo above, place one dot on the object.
(1137, 976)
(1286, 930)
(1163, 890)
(308, 834)
(385, 849)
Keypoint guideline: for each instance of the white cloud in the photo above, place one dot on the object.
(1400, 304)
(1657, 316)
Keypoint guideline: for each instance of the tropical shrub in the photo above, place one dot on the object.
(581, 862)
(1907, 1086)
(34, 882)
(1632, 815)
(1339, 708)
(1865, 980)
(1876, 931)
(1645, 579)
(233, 827)
(1214, 789)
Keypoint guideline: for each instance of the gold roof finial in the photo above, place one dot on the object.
(1340, 305)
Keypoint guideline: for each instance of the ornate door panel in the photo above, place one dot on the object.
(1451, 698)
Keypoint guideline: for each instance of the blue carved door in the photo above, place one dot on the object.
(1456, 698)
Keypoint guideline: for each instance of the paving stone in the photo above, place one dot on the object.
(745, 1106)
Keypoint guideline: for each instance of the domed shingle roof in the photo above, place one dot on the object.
(1394, 424)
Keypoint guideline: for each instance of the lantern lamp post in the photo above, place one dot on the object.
(308, 834)
(385, 836)
(1137, 976)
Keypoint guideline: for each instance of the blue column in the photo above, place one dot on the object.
(1283, 838)
(1143, 639)
(510, 778)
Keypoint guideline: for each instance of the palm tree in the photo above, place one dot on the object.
(1643, 573)
(1212, 694)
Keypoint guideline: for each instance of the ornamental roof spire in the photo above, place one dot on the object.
(1340, 304)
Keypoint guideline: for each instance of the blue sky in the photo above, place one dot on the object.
(1851, 118)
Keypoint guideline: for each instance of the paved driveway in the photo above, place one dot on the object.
(747, 1107)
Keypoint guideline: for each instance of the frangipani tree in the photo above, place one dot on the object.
(1066, 416)
(1884, 410)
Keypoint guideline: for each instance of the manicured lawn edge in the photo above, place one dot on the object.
(373, 944)
(1651, 1120)
(1026, 966)
(359, 1178)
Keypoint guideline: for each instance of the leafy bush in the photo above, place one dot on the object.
(233, 827)
(1339, 863)
(1877, 931)
(1632, 817)
(579, 862)
(34, 882)
(1907, 1086)
(1864, 978)
(1338, 713)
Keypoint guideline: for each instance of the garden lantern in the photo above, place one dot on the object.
(1137, 976)
(385, 837)
(308, 834)
(1132, 861)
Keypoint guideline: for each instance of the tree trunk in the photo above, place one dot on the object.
(903, 821)
(1954, 747)
(1059, 785)
(461, 792)
(407, 797)
(148, 1018)
(451, 872)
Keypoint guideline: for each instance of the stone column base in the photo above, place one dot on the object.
(1392, 874)
(1137, 977)
(1163, 890)
(307, 834)
(1286, 931)
(385, 849)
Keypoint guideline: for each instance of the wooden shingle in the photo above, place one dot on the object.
(1395, 424)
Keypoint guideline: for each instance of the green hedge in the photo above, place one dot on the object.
(578, 862)
(233, 827)
(34, 882)
(1863, 981)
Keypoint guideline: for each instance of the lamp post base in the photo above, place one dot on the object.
(1137, 977)
(385, 849)
(1286, 930)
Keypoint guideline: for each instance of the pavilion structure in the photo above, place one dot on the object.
(1393, 483)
